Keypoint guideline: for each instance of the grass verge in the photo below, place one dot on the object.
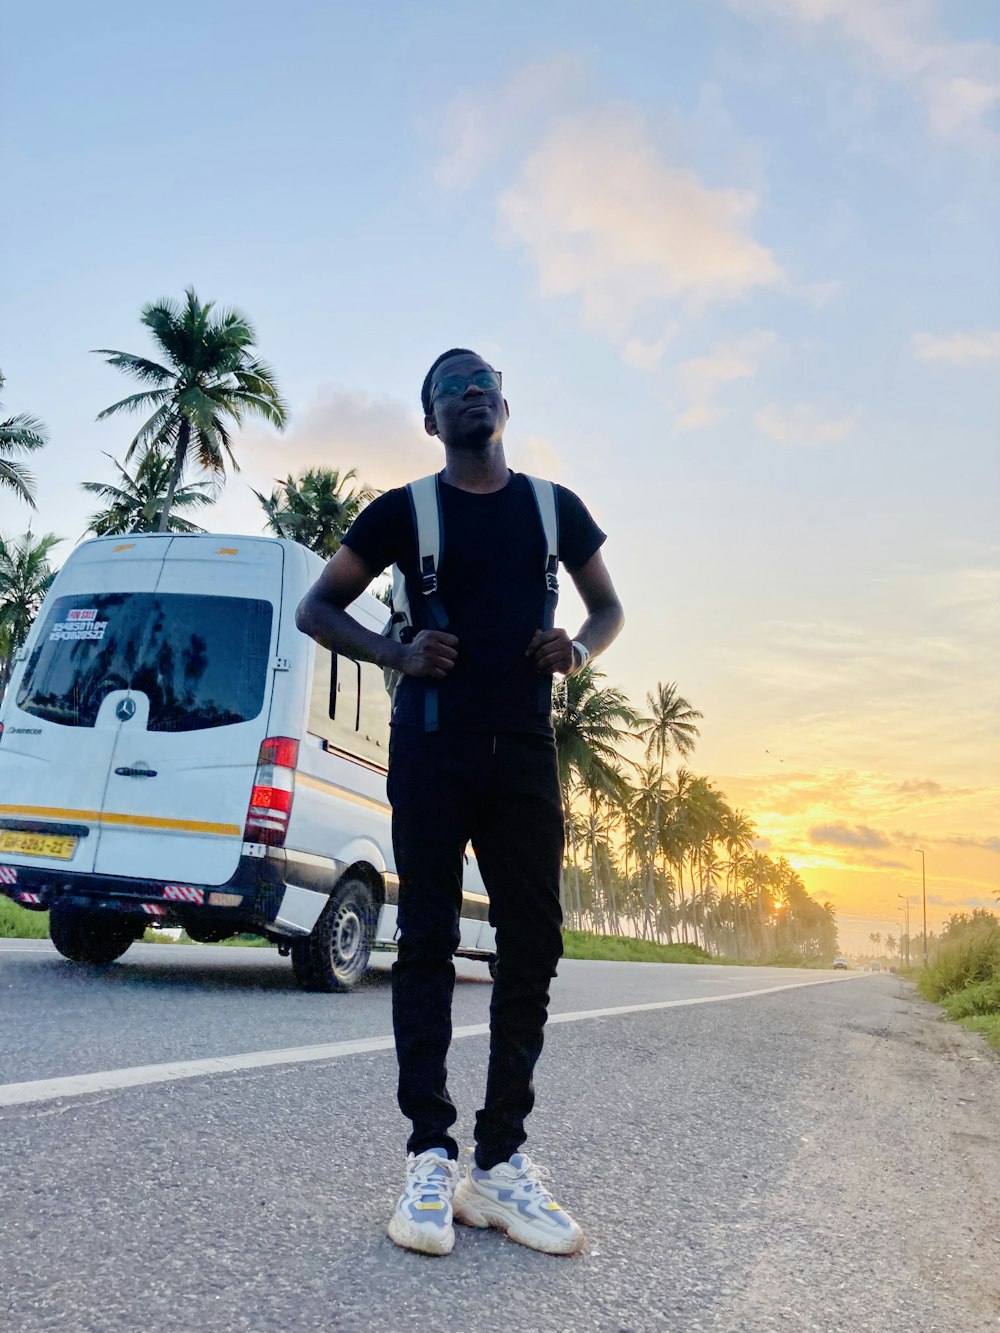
(987, 1024)
(624, 949)
(965, 981)
(17, 923)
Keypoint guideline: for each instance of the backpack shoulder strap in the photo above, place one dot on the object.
(425, 504)
(548, 512)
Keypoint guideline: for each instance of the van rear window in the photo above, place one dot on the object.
(201, 661)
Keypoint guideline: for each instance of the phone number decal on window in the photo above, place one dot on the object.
(75, 629)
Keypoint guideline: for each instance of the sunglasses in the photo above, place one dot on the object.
(453, 386)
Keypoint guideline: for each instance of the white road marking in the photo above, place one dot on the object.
(82, 1085)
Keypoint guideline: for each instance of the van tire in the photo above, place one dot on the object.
(335, 956)
(491, 963)
(89, 937)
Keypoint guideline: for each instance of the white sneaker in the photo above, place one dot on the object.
(512, 1197)
(423, 1217)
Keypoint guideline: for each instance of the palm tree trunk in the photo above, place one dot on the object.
(180, 458)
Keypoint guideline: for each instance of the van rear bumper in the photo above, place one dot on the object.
(258, 885)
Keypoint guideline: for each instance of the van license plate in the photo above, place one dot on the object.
(38, 844)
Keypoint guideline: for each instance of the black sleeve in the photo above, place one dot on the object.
(579, 535)
(380, 532)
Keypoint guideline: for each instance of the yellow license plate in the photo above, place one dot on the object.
(38, 844)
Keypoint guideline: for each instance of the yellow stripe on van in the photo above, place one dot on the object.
(132, 821)
(323, 784)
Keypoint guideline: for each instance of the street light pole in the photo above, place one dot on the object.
(923, 879)
(906, 908)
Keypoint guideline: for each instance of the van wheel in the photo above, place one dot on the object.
(336, 954)
(491, 963)
(89, 937)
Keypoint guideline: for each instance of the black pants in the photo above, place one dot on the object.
(501, 793)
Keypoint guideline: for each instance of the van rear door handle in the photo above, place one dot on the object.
(136, 772)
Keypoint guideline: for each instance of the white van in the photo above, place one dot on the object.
(174, 752)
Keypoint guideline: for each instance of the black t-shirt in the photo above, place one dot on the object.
(491, 582)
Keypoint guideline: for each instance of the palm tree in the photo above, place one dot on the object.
(590, 724)
(640, 844)
(704, 811)
(25, 578)
(738, 833)
(671, 727)
(211, 382)
(19, 435)
(315, 509)
(137, 502)
(759, 875)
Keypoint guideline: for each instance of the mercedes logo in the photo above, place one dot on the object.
(125, 710)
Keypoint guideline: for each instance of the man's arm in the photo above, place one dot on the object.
(322, 614)
(553, 650)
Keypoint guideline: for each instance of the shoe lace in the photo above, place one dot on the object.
(430, 1177)
(535, 1180)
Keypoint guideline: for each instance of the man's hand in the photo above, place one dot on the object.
(430, 655)
(552, 650)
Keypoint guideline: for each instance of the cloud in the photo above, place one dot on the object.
(866, 862)
(802, 424)
(606, 219)
(647, 356)
(379, 437)
(984, 844)
(844, 835)
(818, 294)
(538, 456)
(957, 81)
(919, 787)
(958, 349)
(702, 377)
(479, 126)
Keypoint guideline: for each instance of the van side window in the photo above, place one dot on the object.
(349, 708)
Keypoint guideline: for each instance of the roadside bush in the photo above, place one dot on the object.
(982, 997)
(17, 923)
(974, 957)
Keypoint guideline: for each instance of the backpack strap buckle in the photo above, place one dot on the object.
(551, 575)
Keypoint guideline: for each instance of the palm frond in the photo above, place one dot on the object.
(23, 433)
(144, 370)
(134, 402)
(16, 477)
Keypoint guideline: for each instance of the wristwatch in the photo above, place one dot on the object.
(584, 653)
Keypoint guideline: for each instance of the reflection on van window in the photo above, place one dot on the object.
(349, 709)
(201, 661)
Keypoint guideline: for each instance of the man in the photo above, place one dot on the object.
(484, 771)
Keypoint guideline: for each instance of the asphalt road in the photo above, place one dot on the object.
(812, 1157)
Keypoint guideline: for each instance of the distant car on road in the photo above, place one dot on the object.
(840, 962)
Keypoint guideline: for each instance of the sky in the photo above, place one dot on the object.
(739, 265)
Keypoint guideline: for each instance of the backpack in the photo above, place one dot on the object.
(425, 505)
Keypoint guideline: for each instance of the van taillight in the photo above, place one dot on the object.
(273, 787)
